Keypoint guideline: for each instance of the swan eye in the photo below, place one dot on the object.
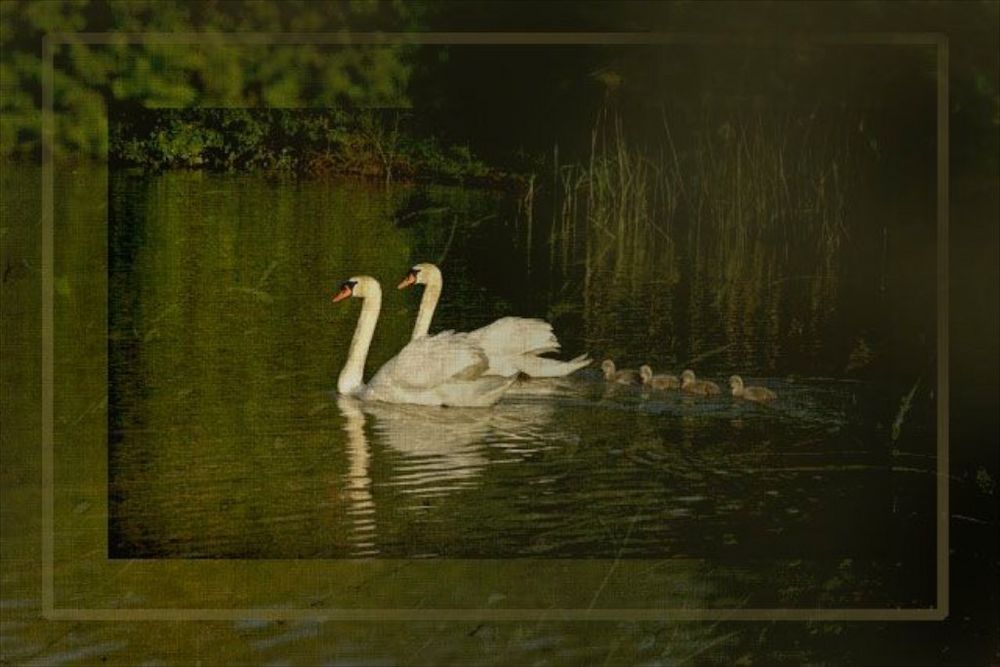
(349, 284)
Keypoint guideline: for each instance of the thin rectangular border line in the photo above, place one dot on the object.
(485, 38)
(52, 40)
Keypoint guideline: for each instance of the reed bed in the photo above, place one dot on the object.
(617, 206)
(778, 178)
(744, 206)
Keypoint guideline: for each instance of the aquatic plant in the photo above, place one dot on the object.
(746, 208)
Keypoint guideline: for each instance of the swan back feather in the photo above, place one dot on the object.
(443, 369)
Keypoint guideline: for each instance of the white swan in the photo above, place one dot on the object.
(445, 369)
(512, 344)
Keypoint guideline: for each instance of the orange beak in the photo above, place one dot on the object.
(410, 279)
(344, 293)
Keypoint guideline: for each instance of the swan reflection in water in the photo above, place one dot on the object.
(433, 451)
(361, 505)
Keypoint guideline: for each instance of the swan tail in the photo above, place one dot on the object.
(542, 367)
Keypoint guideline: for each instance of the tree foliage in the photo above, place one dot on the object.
(88, 77)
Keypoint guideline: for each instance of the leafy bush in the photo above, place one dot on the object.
(375, 143)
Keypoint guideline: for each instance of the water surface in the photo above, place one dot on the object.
(227, 439)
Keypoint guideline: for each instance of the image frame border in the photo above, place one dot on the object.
(51, 42)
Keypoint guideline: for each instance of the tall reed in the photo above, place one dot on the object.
(743, 203)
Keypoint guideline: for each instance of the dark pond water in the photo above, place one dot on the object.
(228, 440)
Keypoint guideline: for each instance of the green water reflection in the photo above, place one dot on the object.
(210, 458)
(227, 441)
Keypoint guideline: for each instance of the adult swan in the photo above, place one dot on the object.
(512, 344)
(446, 369)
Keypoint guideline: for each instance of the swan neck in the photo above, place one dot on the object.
(428, 303)
(352, 375)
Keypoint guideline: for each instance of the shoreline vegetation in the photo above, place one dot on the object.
(377, 144)
(737, 216)
(741, 177)
(736, 205)
(742, 211)
(734, 169)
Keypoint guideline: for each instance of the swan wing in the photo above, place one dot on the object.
(512, 336)
(433, 361)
